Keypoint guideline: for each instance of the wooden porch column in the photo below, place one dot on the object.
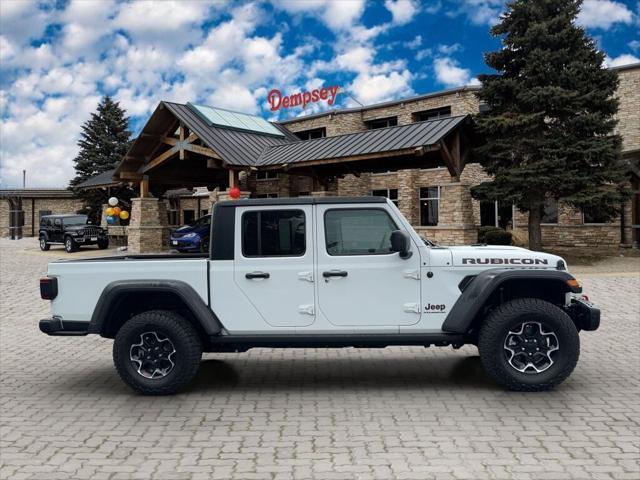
(144, 187)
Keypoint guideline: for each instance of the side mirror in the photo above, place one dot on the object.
(400, 243)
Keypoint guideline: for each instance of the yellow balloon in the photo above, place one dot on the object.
(124, 215)
(110, 211)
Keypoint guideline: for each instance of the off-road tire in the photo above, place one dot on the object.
(103, 244)
(183, 336)
(44, 246)
(70, 245)
(504, 318)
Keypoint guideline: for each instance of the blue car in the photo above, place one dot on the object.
(193, 237)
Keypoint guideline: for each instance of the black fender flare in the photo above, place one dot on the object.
(478, 291)
(109, 301)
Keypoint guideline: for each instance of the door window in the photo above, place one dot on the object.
(273, 233)
(358, 231)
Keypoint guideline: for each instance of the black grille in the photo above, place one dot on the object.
(92, 231)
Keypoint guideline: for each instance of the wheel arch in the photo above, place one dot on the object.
(496, 286)
(120, 300)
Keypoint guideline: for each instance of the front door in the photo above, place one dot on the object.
(360, 281)
(273, 264)
(56, 235)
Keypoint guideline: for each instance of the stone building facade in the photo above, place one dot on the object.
(35, 203)
(458, 215)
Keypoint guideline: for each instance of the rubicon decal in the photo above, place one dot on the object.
(301, 99)
(437, 308)
(505, 261)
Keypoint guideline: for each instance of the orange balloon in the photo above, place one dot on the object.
(117, 210)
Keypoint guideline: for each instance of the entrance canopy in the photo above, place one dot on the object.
(195, 145)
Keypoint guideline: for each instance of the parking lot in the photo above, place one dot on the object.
(401, 412)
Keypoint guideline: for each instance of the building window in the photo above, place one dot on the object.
(432, 114)
(592, 215)
(358, 231)
(382, 123)
(390, 193)
(266, 195)
(313, 133)
(273, 233)
(429, 205)
(496, 214)
(266, 175)
(550, 211)
(189, 216)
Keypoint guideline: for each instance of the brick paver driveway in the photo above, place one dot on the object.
(277, 414)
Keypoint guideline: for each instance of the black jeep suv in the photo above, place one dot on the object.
(72, 231)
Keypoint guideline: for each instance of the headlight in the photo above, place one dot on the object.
(190, 235)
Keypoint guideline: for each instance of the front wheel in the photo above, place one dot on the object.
(103, 244)
(157, 352)
(70, 245)
(529, 344)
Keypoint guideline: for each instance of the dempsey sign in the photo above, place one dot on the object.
(301, 99)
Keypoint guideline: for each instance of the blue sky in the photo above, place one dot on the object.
(57, 58)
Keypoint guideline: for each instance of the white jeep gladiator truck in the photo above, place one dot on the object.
(322, 272)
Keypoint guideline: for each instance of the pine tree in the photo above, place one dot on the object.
(548, 130)
(104, 140)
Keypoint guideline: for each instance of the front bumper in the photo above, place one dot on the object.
(585, 314)
(57, 327)
(185, 244)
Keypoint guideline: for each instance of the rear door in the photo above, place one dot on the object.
(360, 281)
(274, 262)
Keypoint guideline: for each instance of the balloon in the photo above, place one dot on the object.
(111, 220)
(113, 201)
(234, 193)
(116, 211)
(110, 211)
(124, 215)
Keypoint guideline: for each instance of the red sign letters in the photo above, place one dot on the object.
(277, 100)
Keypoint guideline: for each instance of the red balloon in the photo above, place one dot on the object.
(234, 193)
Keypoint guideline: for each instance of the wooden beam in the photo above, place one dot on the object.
(160, 159)
(144, 187)
(192, 138)
(169, 140)
(134, 176)
(207, 152)
(213, 163)
(233, 179)
(181, 134)
(449, 160)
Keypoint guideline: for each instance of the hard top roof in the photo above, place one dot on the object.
(293, 201)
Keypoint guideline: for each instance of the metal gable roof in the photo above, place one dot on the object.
(236, 147)
(102, 179)
(388, 139)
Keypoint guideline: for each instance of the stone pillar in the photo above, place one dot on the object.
(147, 230)
(103, 216)
(408, 195)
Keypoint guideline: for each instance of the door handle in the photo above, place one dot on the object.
(334, 273)
(253, 275)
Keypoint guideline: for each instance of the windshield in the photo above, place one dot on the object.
(206, 220)
(75, 220)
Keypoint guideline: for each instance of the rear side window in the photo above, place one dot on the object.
(358, 231)
(273, 233)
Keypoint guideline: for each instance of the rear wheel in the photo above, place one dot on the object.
(157, 352)
(44, 246)
(529, 344)
(70, 245)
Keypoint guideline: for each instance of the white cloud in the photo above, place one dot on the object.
(413, 44)
(402, 11)
(368, 89)
(624, 59)
(450, 74)
(634, 45)
(479, 12)
(603, 14)
(337, 15)
(22, 20)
